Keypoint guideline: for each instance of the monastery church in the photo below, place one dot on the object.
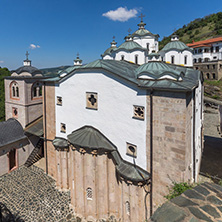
(115, 132)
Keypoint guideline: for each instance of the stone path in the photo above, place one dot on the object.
(202, 203)
(211, 160)
(31, 195)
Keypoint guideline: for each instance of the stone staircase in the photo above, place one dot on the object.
(35, 154)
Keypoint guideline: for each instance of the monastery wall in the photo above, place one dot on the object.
(171, 142)
(49, 126)
(97, 192)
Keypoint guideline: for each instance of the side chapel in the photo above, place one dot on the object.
(117, 131)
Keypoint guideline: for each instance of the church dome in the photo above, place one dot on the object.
(129, 45)
(27, 71)
(178, 45)
(157, 70)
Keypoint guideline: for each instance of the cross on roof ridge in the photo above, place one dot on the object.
(141, 16)
(27, 55)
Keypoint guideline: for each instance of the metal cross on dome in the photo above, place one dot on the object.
(129, 30)
(141, 16)
(27, 55)
(114, 37)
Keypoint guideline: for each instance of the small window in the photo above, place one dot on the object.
(138, 112)
(91, 100)
(122, 57)
(208, 75)
(147, 46)
(199, 60)
(208, 66)
(206, 60)
(185, 60)
(214, 76)
(63, 128)
(172, 59)
(89, 193)
(214, 67)
(217, 48)
(127, 208)
(212, 49)
(215, 57)
(199, 50)
(206, 50)
(136, 59)
(131, 150)
(195, 61)
(196, 68)
(14, 112)
(59, 100)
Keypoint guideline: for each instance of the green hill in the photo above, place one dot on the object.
(199, 29)
(3, 72)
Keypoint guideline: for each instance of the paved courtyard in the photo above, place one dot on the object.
(211, 163)
(31, 195)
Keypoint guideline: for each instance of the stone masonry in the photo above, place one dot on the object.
(202, 203)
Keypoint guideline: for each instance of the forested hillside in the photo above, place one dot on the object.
(199, 29)
(3, 72)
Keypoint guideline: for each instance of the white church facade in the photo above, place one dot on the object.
(119, 130)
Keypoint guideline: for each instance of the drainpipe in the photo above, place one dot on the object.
(194, 119)
(151, 152)
(45, 131)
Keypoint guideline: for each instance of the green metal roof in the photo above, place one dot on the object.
(91, 138)
(160, 75)
(142, 32)
(178, 45)
(129, 45)
(108, 51)
(35, 128)
(60, 142)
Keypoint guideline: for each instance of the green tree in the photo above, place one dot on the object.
(3, 73)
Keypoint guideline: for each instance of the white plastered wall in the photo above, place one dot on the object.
(153, 44)
(114, 117)
(130, 56)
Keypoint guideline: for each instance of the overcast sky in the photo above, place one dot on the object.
(54, 31)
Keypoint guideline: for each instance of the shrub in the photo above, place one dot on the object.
(178, 189)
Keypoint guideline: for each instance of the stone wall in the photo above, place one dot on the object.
(110, 195)
(171, 141)
(49, 127)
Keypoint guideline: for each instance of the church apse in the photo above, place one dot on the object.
(102, 184)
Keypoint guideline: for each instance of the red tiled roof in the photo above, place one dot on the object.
(204, 42)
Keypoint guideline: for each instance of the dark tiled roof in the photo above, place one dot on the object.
(30, 69)
(10, 132)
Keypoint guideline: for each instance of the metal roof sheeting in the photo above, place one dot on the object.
(178, 45)
(91, 138)
(186, 78)
(36, 127)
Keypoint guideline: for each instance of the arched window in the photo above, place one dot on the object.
(89, 194)
(36, 90)
(185, 60)
(195, 61)
(172, 59)
(136, 59)
(214, 76)
(14, 90)
(122, 57)
(199, 60)
(127, 208)
(208, 75)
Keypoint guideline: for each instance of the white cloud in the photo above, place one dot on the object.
(1, 61)
(121, 14)
(33, 46)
